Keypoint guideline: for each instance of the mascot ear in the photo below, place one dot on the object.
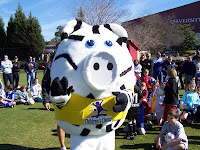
(71, 27)
(119, 31)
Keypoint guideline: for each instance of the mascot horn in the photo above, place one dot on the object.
(92, 77)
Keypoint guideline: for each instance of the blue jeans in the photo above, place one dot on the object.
(30, 79)
(158, 74)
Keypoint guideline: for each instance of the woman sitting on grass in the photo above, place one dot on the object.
(9, 100)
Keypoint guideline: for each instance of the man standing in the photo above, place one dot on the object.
(30, 69)
(6, 66)
(157, 67)
(149, 64)
(15, 71)
(189, 70)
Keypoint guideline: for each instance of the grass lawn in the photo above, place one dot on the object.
(32, 127)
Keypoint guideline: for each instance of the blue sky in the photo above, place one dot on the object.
(52, 13)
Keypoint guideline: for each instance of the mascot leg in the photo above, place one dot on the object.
(93, 142)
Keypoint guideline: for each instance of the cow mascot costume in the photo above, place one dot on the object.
(92, 80)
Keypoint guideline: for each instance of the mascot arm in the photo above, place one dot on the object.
(60, 93)
(123, 100)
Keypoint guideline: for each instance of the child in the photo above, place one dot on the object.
(147, 79)
(133, 114)
(2, 93)
(23, 97)
(36, 90)
(156, 101)
(171, 92)
(9, 100)
(190, 102)
(138, 70)
(144, 109)
(176, 128)
(143, 89)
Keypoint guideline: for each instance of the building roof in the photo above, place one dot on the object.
(186, 14)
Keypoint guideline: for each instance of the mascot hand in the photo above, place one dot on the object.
(60, 93)
(121, 102)
(60, 87)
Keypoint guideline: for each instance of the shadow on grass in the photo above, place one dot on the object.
(18, 147)
(145, 146)
(51, 109)
(194, 125)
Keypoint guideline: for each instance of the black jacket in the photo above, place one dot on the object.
(16, 67)
(189, 68)
(171, 92)
(46, 84)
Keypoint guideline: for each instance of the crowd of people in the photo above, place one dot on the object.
(156, 91)
(11, 72)
(159, 81)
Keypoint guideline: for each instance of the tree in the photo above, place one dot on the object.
(35, 42)
(154, 32)
(191, 41)
(81, 15)
(98, 11)
(2, 37)
(58, 33)
(24, 35)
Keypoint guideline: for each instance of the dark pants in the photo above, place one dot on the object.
(16, 78)
(7, 77)
(181, 80)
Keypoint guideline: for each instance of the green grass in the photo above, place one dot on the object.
(34, 128)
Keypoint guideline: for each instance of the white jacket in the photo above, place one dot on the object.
(6, 66)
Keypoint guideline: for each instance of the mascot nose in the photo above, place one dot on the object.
(100, 70)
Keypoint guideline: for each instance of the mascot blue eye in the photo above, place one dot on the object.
(108, 43)
(90, 43)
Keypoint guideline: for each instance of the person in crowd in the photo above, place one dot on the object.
(36, 89)
(46, 62)
(138, 70)
(172, 125)
(179, 68)
(23, 97)
(15, 71)
(30, 69)
(171, 92)
(142, 63)
(189, 70)
(159, 107)
(157, 67)
(149, 64)
(166, 65)
(46, 82)
(2, 93)
(36, 66)
(6, 66)
(133, 114)
(9, 99)
(143, 89)
(190, 102)
(196, 55)
(197, 64)
(147, 79)
(145, 108)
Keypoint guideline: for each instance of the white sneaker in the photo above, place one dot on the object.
(63, 148)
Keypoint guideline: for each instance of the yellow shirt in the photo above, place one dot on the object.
(82, 110)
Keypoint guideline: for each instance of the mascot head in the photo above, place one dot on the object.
(95, 62)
